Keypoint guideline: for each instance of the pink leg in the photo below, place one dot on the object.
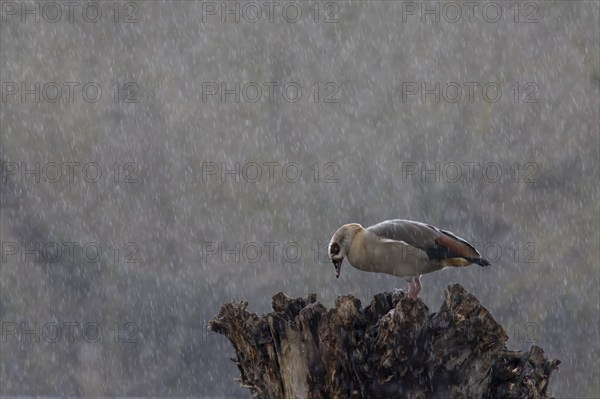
(417, 283)
(412, 290)
(414, 287)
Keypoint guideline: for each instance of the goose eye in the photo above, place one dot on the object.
(334, 248)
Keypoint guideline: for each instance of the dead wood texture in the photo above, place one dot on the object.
(303, 350)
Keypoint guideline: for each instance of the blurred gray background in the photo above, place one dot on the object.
(125, 224)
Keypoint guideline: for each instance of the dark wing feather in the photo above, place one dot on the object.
(438, 244)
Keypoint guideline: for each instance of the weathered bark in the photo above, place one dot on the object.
(302, 350)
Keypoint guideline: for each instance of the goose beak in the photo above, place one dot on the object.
(337, 263)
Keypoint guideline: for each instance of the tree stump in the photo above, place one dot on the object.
(302, 350)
